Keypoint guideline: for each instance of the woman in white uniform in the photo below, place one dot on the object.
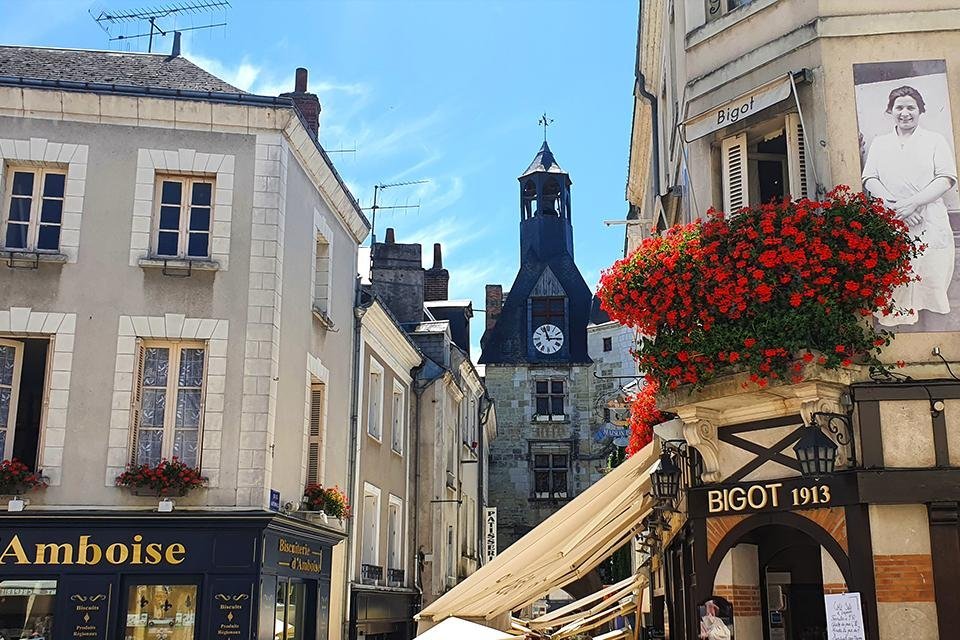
(911, 168)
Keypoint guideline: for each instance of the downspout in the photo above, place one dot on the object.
(483, 418)
(641, 90)
(353, 467)
(417, 564)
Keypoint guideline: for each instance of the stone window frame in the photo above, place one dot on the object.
(316, 372)
(60, 328)
(40, 152)
(550, 395)
(550, 448)
(171, 326)
(153, 163)
(322, 310)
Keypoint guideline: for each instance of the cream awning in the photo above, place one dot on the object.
(566, 546)
(590, 612)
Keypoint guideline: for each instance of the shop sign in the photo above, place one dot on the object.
(787, 494)
(88, 608)
(231, 604)
(620, 436)
(490, 533)
(844, 617)
(293, 554)
(91, 551)
(735, 110)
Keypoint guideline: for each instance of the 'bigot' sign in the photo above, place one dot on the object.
(737, 109)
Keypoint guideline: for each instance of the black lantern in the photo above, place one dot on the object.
(816, 452)
(665, 479)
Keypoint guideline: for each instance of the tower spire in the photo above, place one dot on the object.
(545, 122)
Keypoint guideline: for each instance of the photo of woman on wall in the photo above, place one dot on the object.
(912, 166)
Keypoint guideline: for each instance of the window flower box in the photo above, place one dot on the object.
(331, 502)
(16, 478)
(167, 478)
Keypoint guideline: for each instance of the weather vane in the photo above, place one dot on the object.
(545, 122)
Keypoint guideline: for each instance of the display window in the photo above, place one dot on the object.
(290, 610)
(161, 612)
(26, 609)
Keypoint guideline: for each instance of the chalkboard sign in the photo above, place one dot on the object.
(844, 617)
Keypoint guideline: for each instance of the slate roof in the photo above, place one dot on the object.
(158, 70)
(543, 162)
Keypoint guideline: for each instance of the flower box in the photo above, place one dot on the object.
(17, 479)
(331, 502)
(167, 478)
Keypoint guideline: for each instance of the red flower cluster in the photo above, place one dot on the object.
(643, 416)
(332, 502)
(764, 290)
(168, 477)
(15, 476)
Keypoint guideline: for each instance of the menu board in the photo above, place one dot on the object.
(844, 617)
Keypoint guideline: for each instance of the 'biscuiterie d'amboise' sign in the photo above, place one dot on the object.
(786, 494)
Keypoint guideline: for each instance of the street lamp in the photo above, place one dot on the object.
(816, 452)
(665, 479)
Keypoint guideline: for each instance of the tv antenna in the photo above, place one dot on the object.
(377, 188)
(107, 19)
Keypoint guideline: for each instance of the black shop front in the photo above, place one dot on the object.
(177, 576)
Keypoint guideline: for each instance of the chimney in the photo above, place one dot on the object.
(175, 52)
(436, 280)
(306, 103)
(396, 276)
(494, 303)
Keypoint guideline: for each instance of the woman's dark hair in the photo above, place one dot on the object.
(906, 91)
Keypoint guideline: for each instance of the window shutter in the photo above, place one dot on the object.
(736, 191)
(135, 398)
(313, 443)
(796, 157)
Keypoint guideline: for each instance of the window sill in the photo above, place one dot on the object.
(551, 418)
(323, 318)
(708, 30)
(469, 452)
(451, 482)
(554, 499)
(395, 452)
(178, 264)
(31, 259)
(376, 438)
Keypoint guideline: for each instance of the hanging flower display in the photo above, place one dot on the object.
(765, 291)
(644, 414)
(167, 478)
(331, 501)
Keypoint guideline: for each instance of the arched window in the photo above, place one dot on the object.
(528, 199)
(550, 202)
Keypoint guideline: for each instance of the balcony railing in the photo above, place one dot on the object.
(371, 573)
(395, 577)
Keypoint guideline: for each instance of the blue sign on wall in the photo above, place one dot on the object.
(274, 500)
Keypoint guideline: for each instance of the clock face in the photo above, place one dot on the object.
(548, 338)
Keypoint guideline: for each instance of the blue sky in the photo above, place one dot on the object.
(445, 90)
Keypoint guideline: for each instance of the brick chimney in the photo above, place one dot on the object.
(436, 280)
(396, 275)
(494, 304)
(307, 103)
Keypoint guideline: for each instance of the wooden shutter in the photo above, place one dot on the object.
(11, 418)
(736, 191)
(135, 398)
(313, 442)
(796, 157)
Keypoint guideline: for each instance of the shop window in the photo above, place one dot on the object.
(169, 402)
(551, 471)
(183, 218)
(291, 610)
(161, 611)
(764, 163)
(23, 365)
(549, 398)
(33, 208)
(315, 437)
(26, 608)
(375, 400)
(399, 419)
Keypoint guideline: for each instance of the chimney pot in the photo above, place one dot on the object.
(301, 82)
(437, 256)
(391, 237)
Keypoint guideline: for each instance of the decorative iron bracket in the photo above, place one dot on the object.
(833, 422)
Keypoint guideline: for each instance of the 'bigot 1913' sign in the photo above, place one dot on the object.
(786, 494)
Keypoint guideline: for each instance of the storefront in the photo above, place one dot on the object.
(376, 614)
(177, 576)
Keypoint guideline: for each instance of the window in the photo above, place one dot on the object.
(547, 311)
(471, 527)
(23, 368)
(291, 610)
(33, 209)
(717, 8)
(608, 344)
(168, 402)
(764, 163)
(549, 397)
(375, 400)
(314, 439)
(452, 446)
(451, 559)
(322, 276)
(28, 608)
(172, 607)
(394, 539)
(184, 217)
(399, 417)
(551, 465)
(370, 534)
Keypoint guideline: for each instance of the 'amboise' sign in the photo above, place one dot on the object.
(86, 551)
(786, 494)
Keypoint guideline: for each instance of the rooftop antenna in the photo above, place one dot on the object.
(373, 217)
(107, 19)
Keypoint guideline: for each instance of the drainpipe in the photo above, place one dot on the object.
(353, 467)
(417, 396)
(481, 499)
(640, 89)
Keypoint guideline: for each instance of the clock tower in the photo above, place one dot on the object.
(538, 370)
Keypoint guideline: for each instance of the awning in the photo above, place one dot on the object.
(463, 630)
(590, 612)
(566, 546)
(744, 105)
